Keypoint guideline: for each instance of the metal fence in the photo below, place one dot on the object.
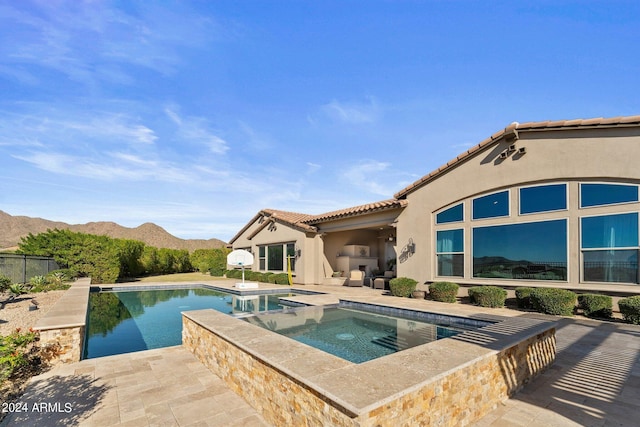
(21, 268)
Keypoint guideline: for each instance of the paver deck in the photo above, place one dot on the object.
(595, 381)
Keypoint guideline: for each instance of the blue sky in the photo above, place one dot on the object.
(195, 115)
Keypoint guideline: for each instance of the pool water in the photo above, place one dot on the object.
(353, 335)
(124, 322)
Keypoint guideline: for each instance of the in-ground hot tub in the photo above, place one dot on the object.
(451, 381)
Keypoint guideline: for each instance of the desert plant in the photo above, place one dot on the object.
(5, 282)
(488, 296)
(523, 297)
(402, 286)
(38, 281)
(630, 309)
(555, 301)
(443, 291)
(596, 305)
(17, 289)
(14, 349)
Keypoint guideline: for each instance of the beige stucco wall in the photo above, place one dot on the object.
(281, 233)
(552, 156)
(318, 251)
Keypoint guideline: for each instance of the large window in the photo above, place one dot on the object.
(274, 257)
(543, 198)
(453, 214)
(607, 194)
(491, 205)
(534, 250)
(450, 252)
(610, 248)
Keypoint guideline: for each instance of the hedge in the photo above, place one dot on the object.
(523, 297)
(630, 309)
(443, 291)
(402, 286)
(555, 301)
(596, 305)
(488, 296)
(472, 293)
(281, 279)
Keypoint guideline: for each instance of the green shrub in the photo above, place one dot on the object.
(523, 297)
(630, 309)
(472, 293)
(266, 275)
(488, 296)
(595, 305)
(258, 276)
(250, 275)
(234, 274)
(15, 352)
(555, 301)
(402, 286)
(38, 281)
(282, 278)
(216, 271)
(5, 282)
(443, 291)
(272, 278)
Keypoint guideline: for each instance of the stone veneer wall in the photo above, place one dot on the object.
(67, 343)
(458, 397)
(63, 327)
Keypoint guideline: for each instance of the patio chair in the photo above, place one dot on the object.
(378, 283)
(356, 278)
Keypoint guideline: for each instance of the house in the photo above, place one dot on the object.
(541, 202)
(323, 248)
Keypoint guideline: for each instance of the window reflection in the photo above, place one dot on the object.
(601, 236)
(450, 252)
(453, 214)
(535, 250)
(607, 194)
(543, 198)
(492, 205)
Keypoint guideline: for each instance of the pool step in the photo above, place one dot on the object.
(393, 342)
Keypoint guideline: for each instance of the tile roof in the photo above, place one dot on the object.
(305, 222)
(293, 219)
(513, 128)
(357, 210)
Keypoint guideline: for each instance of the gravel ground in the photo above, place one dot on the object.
(18, 314)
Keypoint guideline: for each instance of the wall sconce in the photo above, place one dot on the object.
(391, 237)
(411, 247)
(298, 253)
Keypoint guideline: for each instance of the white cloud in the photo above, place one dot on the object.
(367, 175)
(94, 41)
(312, 168)
(49, 126)
(352, 112)
(197, 130)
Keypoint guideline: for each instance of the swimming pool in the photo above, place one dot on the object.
(359, 336)
(124, 322)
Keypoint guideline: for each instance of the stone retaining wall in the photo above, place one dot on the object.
(452, 397)
(63, 327)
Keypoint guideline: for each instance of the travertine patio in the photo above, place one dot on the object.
(595, 381)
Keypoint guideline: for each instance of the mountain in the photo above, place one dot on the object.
(12, 228)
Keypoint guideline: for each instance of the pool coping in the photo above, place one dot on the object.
(356, 388)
